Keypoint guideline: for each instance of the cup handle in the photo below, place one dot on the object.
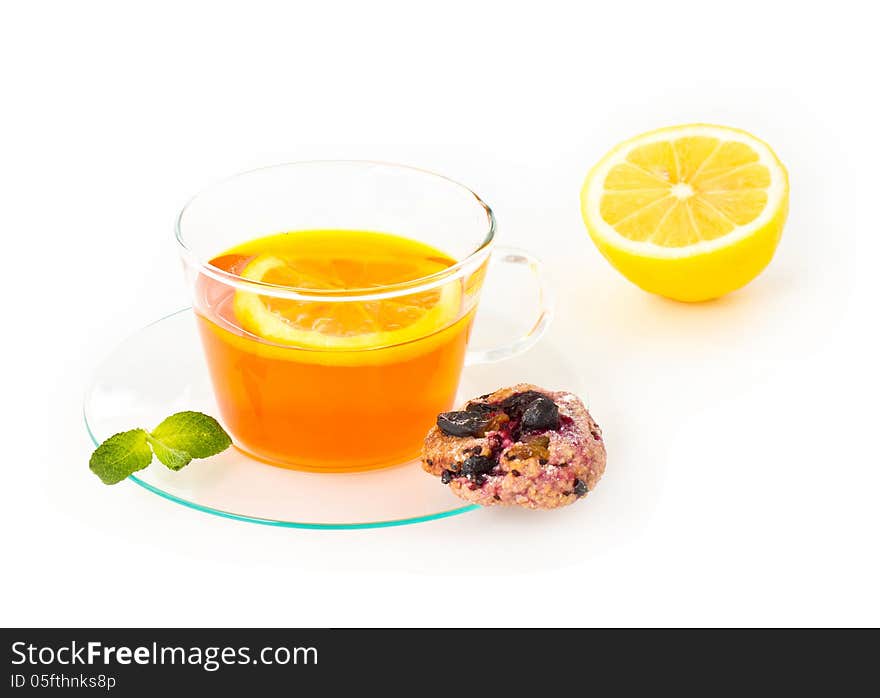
(514, 255)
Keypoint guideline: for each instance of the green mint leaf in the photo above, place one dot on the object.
(194, 433)
(176, 441)
(120, 456)
(171, 458)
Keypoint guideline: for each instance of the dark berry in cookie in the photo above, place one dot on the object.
(477, 465)
(541, 414)
(516, 404)
(462, 423)
(521, 445)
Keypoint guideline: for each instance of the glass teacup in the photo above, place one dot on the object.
(340, 376)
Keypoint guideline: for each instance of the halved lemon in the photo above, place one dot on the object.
(688, 212)
(344, 325)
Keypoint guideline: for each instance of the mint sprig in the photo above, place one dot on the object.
(175, 442)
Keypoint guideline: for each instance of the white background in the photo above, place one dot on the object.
(743, 472)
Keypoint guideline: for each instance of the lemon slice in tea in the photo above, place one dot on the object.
(346, 325)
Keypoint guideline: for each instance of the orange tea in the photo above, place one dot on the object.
(333, 384)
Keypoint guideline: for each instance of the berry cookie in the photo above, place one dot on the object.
(521, 445)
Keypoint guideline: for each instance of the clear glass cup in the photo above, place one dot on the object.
(353, 408)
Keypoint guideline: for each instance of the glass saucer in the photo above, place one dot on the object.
(160, 370)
